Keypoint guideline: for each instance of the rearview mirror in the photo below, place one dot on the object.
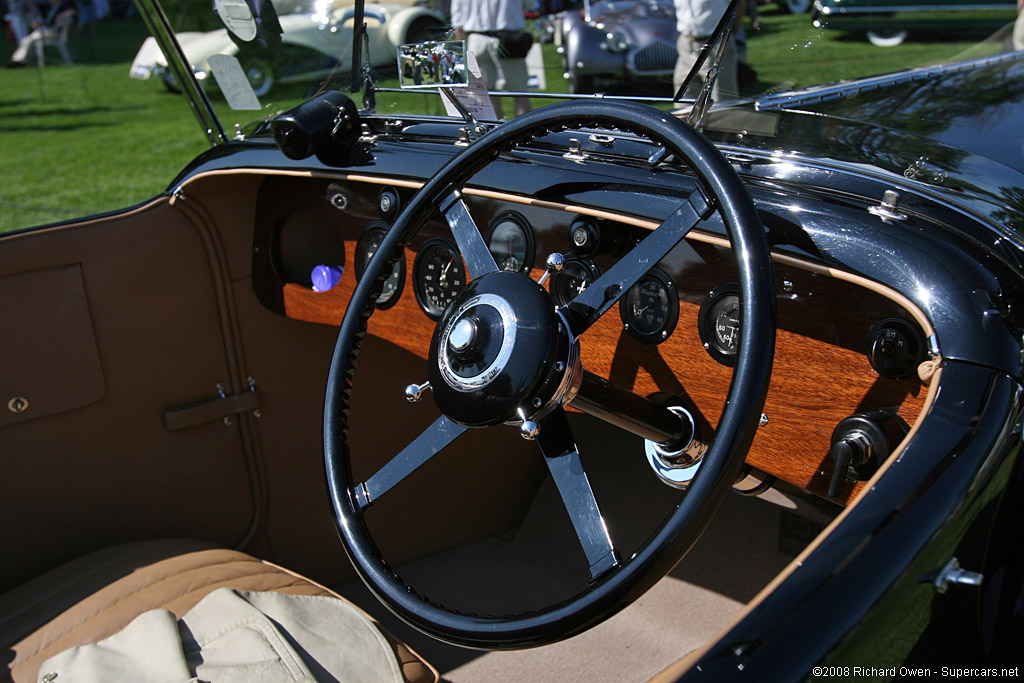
(433, 64)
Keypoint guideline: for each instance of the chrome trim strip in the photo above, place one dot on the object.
(816, 94)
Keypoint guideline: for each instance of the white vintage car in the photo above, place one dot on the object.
(316, 36)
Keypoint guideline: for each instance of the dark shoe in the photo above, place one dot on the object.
(15, 65)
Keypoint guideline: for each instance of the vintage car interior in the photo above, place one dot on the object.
(587, 395)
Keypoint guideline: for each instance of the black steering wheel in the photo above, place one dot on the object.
(503, 353)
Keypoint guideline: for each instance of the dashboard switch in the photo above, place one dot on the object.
(860, 444)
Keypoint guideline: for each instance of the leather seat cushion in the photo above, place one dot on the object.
(97, 595)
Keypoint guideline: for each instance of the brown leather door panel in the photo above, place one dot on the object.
(49, 362)
(104, 325)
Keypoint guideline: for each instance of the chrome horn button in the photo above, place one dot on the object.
(479, 339)
(493, 350)
(463, 336)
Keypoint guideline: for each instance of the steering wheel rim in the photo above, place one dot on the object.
(622, 584)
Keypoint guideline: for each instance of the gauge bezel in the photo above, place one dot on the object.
(382, 228)
(705, 326)
(671, 316)
(585, 263)
(525, 228)
(417, 281)
(396, 203)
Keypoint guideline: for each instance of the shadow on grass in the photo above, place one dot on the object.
(36, 113)
(4, 128)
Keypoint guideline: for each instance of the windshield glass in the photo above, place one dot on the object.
(98, 88)
(287, 50)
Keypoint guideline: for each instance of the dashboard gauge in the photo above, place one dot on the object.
(574, 278)
(720, 322)
(438, 276)
(366, 247)
(650, 309)
(510, 240)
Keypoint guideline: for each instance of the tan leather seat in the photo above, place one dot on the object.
(97, 595)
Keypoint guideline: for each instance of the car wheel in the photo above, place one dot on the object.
(887, 38)
(260, 74)
(423, 29)
(796, 6)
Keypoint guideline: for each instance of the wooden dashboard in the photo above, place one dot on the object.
(821, 373)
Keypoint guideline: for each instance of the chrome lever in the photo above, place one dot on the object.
(414, 392)
(554, 264)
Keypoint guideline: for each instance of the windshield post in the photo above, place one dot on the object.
(160, 28)
(358, 31)
(721, 34)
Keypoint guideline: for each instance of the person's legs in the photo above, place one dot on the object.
(687, 48)
(515, 77)
(726, 85)
(26, 43)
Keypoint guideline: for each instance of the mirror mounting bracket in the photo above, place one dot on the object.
(474, 126)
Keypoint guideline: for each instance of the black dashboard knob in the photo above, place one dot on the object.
(895, 348)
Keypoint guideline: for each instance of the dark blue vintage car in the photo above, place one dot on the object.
(617, 42)
(616, 389)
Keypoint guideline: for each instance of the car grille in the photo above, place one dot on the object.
(656, 57)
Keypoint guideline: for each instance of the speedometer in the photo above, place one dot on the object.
(720, 323)
(438, 276)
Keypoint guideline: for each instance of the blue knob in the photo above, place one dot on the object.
(325, 277)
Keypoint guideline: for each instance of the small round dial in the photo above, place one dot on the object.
(366, 247)
(719, 323)
(438, 276)
(895, 348)
(511, 242)
(650, 309)
(574, 278)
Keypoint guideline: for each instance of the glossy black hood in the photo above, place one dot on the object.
(958, 130)
(977, 108)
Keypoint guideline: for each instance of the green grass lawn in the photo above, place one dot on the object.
(85, 138)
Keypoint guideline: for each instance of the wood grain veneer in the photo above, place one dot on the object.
(821, 373)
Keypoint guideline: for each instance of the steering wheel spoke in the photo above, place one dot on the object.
(436, 438)
(595, 300)
(478, 258)
(563, 460)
